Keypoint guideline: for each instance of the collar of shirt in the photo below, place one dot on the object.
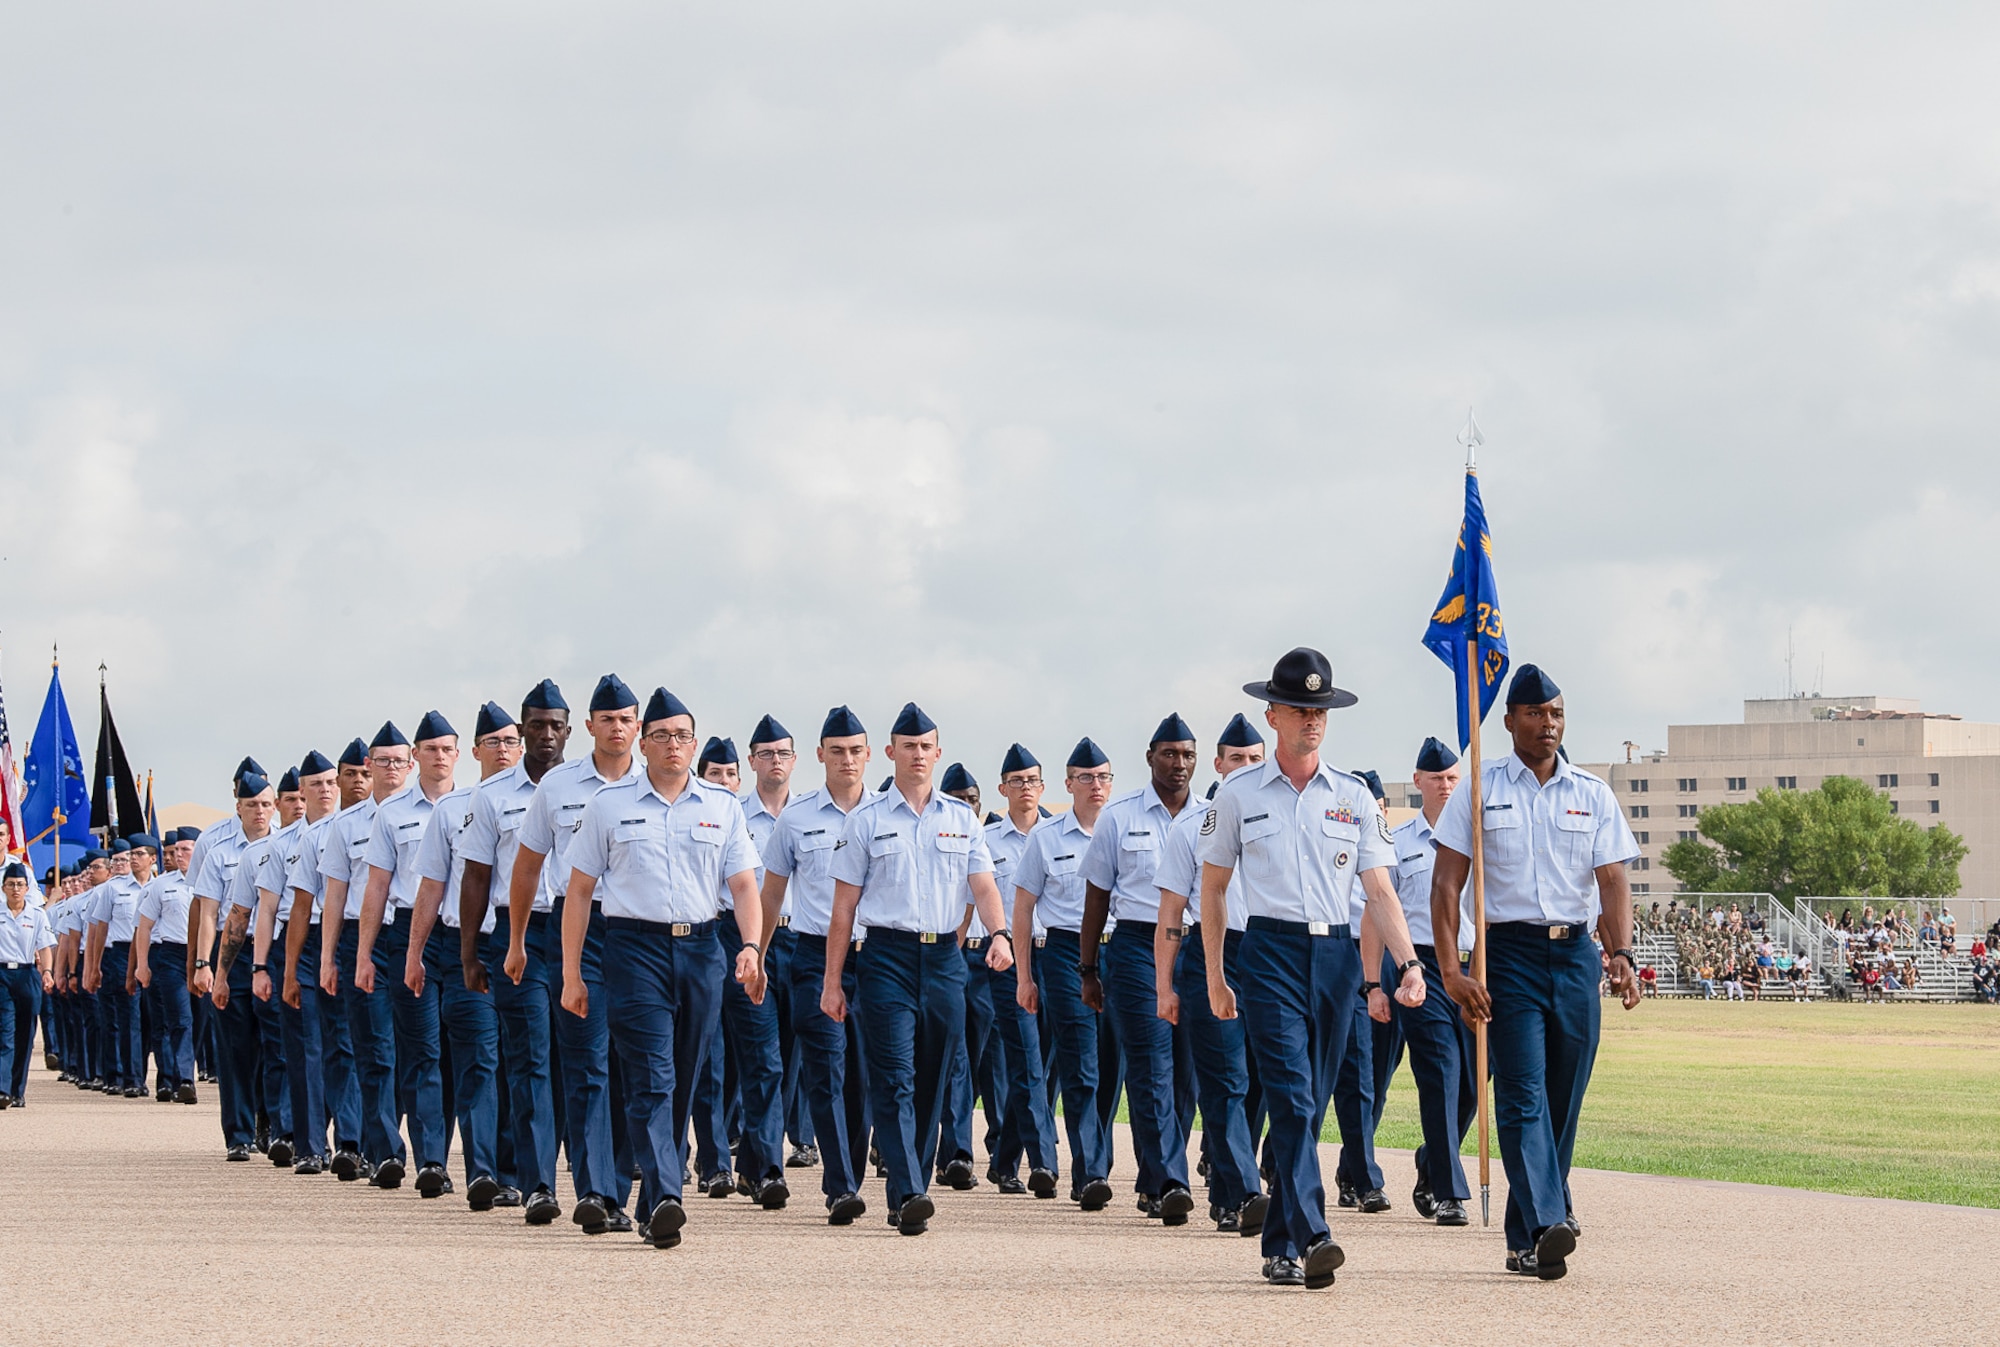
(912, 867)
(802, 844)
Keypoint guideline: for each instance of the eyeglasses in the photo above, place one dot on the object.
(1021, 782)
(772, 755)
(391, 764)
(501, 741)
(1092, 778)
(682, 737)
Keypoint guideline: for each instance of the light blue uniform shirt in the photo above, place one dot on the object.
(1051, 870)
(1125, 850)
(67, 915)
(260, 868)
(1005, 844)
(912, 869)
(1542, 842)
(392, 846)
(343, 854)
(213, 836)
(499, 803)
(800, 848)
(302, 873)
(218, 872)
(1180, 872)
(442, 853)
(656, 861)
(115, 904)
(166, 900)
(1416, 857)
(553, 816)
(23, 935)
(1297, 853)
(274, 868)
(762, 823)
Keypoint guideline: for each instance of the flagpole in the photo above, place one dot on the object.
(62, 777)
(1471, 438)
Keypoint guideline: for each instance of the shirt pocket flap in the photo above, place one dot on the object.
(629, 830)
(817, 839)
(706, 830)
(1139, 839)
(1501, 816)
(954, 842)
(1066, 863)
(1576, 821)
(886, 844)
(1345, 832)
(1259, 826)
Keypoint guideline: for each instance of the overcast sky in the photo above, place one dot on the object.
(1055, 367)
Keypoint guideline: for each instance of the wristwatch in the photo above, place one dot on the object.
(752, 944)
(260, 968)
(201, 963)
(1089, 970)
(1403, 968)
(1368, 987)
(1626, 955)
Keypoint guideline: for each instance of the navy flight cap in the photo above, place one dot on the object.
(768, 731)
(718, 750)
(1373, 780)
(15, 870)
(288, 784)
(1172, 730)
(1435, 755)
(315, 763)
(841, 723)
(1304, 677)
(249, 764)
(1532, 687)
(1018, 759)
(434, 726)
(250, 785)
(119, 846)
(1086, 754)
(388, 737)
(144, 840)
(355, 754)
(662, 705)
(957, 780)
(544, 696)
(492, 719)
(1239, 733)
(611, 694)
(912, 721)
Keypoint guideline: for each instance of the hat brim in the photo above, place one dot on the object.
(1333, 699)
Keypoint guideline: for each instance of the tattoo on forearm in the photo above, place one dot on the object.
(233, 936)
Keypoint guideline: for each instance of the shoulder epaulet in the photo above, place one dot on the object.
(1588, 776)
(1128, 795)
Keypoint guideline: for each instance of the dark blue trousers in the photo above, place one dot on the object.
(340, 1087)
(1147, 1042)
(471, 1023)
(523, 1012)
(372, 1029)
(598, 1141)
(168, 961)
(1028, 1127)
(714, 1128)
(975, 1072)
(305, 1061)
(1543, 1043)
(236, 1055)
(204, 1034)
(781, 948)
(754, 1047)
(1221, 1072)
(419, 1050)
(120, 1014)
(274, 1085)
(1078, 1060)
(20, 1005)
(831, 1070)
(664, 992)
(1356, 1105)
(1441, 1061)
(914, 994)
(1297, 1000)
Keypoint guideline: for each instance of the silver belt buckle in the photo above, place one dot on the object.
(1041, 941)
(1558, 932)
(974, 941)
(784, 921)
(1319, 928)
(926, 937)
(680, 928)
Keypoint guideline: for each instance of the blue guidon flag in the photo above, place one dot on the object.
(1466, 630)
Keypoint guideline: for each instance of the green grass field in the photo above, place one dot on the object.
(1879, 1101)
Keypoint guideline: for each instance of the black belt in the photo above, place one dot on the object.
(1536, 931)
(1145, 928)
(679, 930)
(912, 937)
(1464, 955)
(11, 965)
(1319, 928)
(977, 941)
(1103, 939)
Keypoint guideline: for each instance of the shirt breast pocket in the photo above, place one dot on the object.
(638, 843)
(1342, 843)
(1506, 839)
(1576, 832)
(1261, 838)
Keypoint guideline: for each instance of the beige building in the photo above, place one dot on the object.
(1934, 768)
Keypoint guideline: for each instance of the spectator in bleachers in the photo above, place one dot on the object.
(1978, 947)
(1704, 978)
(1732, 981)
(1649, 981)
(1985, 982)
(1927, 933)
(1871, 982)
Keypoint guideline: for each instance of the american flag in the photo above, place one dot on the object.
(10, 783)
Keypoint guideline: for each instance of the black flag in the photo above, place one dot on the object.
(115, 810)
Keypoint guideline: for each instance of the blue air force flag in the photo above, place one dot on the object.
(1466, 630)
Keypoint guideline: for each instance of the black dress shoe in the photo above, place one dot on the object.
(164, 1095)
(802, 1157)
(238, 1154)
(1323, 1258)
(507, 1197)
(1149, 1207)
(843, 1209)
(590, 1212)
(1095, 1195)
(1521, 1262)
(773, 1193)
(663, 1229)
(280, 1153)
(1250, 1216)
(6, 1102)
(51, 1061)
(1348, 1197)
(958, 1176)
(1226, 1222)
(388, 1174)
(914, 1216)
(745, 1185)
(346, 1166)
(720, 1184)
(1574, 1228)
(1042, 1182)
(432, 1181)
(1451, 1211)
(1282, 1271)
(1552, 1251)
(309, 1164)
(1174, 1206)
(1010, 1184)
(479, 1194)
(185, 1094)
(541, 1207)
(263, 1141)
(1374, 1200)
(617, 1222)
(1421, 1199)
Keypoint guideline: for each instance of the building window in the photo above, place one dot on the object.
(1861, 743)
(1413, 800)
(1690, 810)
(1895, 806)
(1687, 836)
(1642, 888)
(1934, 780)
(1640, 811)
(1689, 785)
(1643, 839)
(1788, 783)
(1641, 863)
(1635, 785)
(1887, 781)
(1739, 783)
(1934, 806)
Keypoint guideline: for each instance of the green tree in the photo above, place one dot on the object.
(1838, 841)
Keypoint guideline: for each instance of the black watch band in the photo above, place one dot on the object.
(1002, 935)
(260, 968)
(752, 944)
(201, 963)
(1368, 987)
(1087, 969)
(1403, 968)
(1626, 955)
